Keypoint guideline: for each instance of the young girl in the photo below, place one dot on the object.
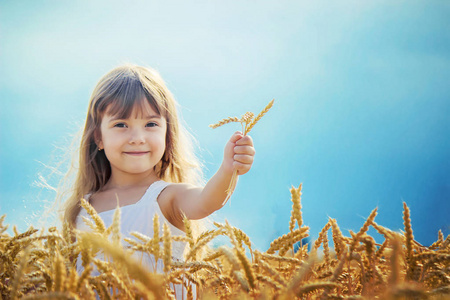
(133, 151)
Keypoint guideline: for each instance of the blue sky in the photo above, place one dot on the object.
(361, 94)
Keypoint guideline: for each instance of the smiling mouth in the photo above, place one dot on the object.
(137, 153)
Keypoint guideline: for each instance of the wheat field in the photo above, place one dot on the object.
(40, 264)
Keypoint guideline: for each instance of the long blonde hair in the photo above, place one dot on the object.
(118, 93)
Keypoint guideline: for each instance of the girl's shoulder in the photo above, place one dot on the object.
(167, 194)
(168, 199)
(174, 190)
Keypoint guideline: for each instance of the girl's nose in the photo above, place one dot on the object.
(137, 137)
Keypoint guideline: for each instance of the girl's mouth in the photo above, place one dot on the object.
(135, 153)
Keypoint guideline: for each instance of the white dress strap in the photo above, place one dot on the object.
(155, 189)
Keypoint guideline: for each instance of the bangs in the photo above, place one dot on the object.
(128, 95)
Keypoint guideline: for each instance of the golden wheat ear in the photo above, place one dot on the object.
(100, 225)
(225, 121)
(259, 116)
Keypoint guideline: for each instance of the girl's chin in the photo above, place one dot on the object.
(138, 170)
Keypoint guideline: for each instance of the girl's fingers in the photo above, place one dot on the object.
(241, 168)
(244, 153)
(236, 137)
(244, 140)
(244, 150)
(243, 159)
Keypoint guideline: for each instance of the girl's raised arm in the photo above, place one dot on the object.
(197, 203)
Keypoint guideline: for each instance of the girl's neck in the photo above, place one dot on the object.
(123, 181)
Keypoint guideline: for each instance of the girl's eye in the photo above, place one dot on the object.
(151, 124)
(120, 125)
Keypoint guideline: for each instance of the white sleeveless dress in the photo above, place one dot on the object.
(139, 217)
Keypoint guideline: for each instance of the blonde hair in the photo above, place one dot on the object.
(118, 93)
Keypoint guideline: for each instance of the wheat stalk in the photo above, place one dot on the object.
(259, 116)
(270, 281)
(312, 286)
(279, 242)
(322, 233)
(115, 226)
(84, 276)
(201, 243)
(59, 272)
(188, 230)
(326, 250)
(100, 226)
(395, 263)
(140, 236)
(337, 238)
(247, 267)
(300, 275)
(18, 275)
(155, 239)
(53, 295)
(167, 248)
(408, 230)
(296, 214)
(225, 121)
(242, 281)
(280, 258)
(363, 229)
(439, 241)
(230, 257)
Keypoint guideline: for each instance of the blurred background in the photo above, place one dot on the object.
(361, 89)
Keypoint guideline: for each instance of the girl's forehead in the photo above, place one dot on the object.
(139, 109)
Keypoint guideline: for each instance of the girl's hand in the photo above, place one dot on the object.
(239, 154)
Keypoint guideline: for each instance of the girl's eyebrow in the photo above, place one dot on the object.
(152, 117)
(145, 117)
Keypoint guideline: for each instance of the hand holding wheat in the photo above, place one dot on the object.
(247, 121)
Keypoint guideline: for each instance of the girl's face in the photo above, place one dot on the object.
(135, 145)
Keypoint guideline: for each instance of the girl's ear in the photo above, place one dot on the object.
(98, 140)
